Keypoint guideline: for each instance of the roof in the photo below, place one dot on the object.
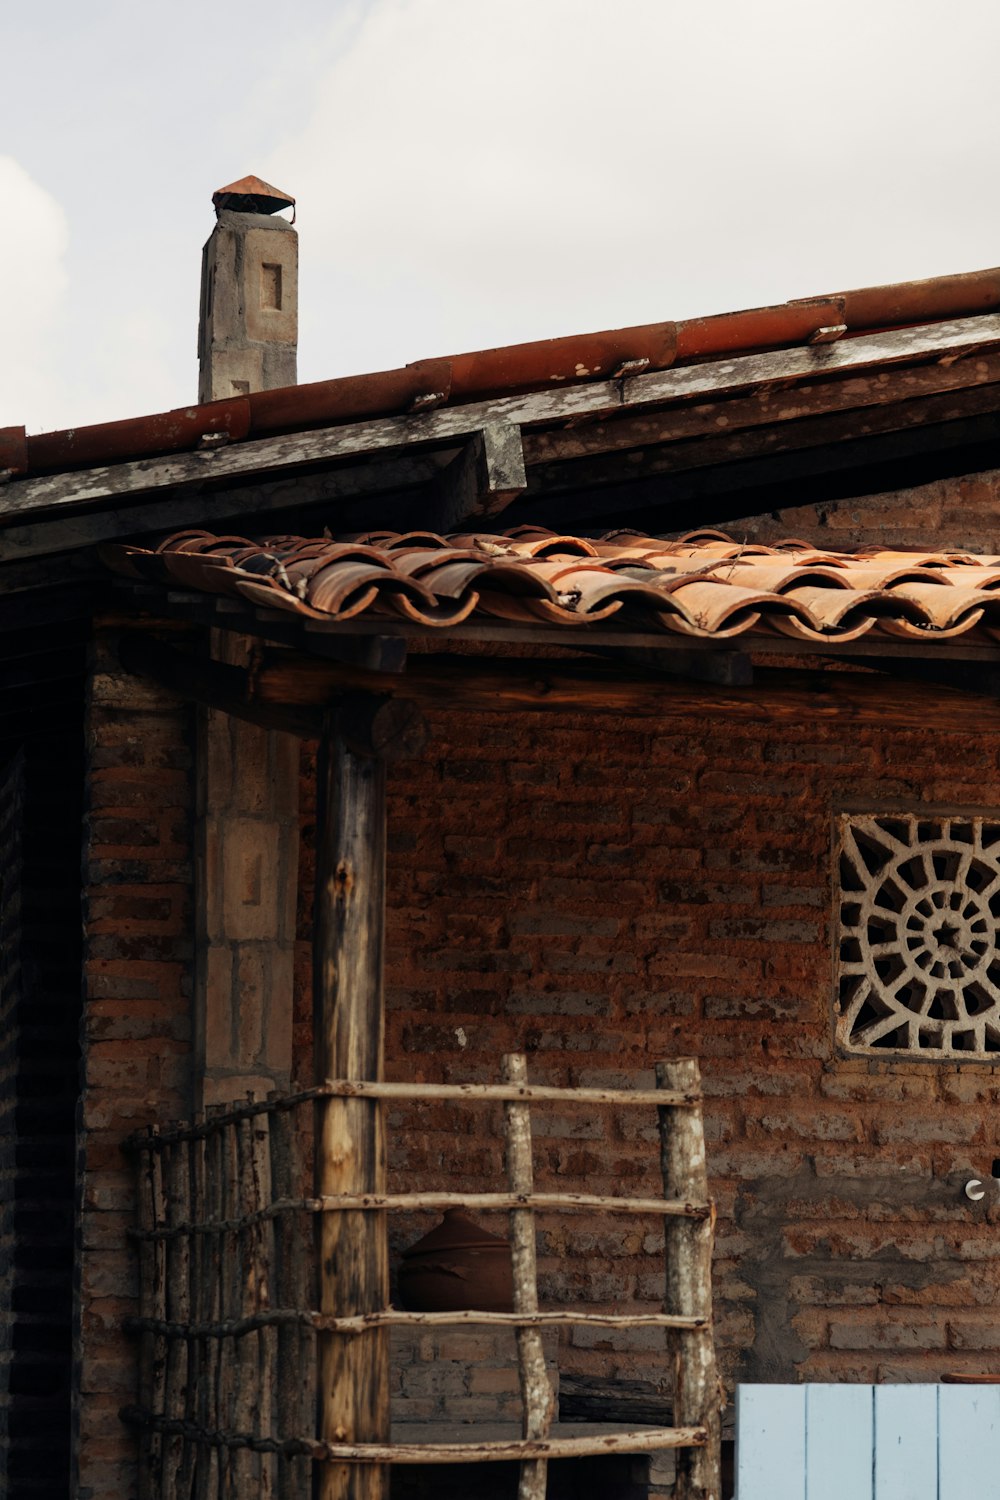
(552, 364)
(706, 585)
(251, 195)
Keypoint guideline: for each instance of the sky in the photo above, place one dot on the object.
(472, 172)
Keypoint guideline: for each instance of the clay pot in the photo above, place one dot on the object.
(458, 1266)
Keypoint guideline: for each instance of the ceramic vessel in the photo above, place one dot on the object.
(458, 1266)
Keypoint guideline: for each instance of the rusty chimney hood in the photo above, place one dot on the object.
(252, 195)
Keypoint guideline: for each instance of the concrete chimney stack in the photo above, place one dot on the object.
(248, 330)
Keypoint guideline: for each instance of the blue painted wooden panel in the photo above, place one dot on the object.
(969, 1442)
(839, 1435)
(771, 1442)
(906, 1442)
(864, 1442)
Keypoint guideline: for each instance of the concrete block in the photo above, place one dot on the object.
(271, 286)
(250, 900)
(235, 372)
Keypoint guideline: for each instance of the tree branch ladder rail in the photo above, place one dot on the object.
(264, 1337)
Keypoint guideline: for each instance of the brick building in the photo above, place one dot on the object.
(684, 788)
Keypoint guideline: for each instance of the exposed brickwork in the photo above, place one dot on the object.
(603, 893)
(40, 806)
(600, 892)
(11, 817)
(961, 513)
(136, 1035)
(459, 1374)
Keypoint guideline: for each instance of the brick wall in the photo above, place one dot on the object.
(960, 513)
(40, 804)
(603, 893)
(600, 892)
(136, 1033)
(11, 816)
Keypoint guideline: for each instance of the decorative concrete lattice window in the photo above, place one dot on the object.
(919, 966)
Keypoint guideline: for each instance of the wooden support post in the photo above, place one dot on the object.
(246, 1392)
(203, 1285)
(264, 1257)
(689, 1285)
(177, 1310)
(536, 1392)
(353, 1373)
(152, 1359)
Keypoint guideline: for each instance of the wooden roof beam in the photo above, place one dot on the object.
(481, 482)
(97, 487)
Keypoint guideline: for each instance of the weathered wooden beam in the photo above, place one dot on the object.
(537, 1395)
(349, 1027)
(97, 486)
(978, 680)
(211, 683)
(291, 691)
(206, 504)
(772, 406)
(725, 668)
(663, 492)
(866, 435)
(481, 482)
(484, 684)
(373, 652)
(697, 1394)
(374, 724)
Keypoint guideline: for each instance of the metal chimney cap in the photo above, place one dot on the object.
(251, 195)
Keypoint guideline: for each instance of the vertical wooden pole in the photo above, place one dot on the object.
(202, 1274)
(246, 1390)
(537, 1397)
(178, 1309)
(215, 1248)
(296, 1351)
(266, 1339)
(353, 1374)
(151, 1288)
(689, 1284)
(229, 1295)
(159, 1403)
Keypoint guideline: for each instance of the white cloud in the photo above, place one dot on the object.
(475, 173)
(33, 244)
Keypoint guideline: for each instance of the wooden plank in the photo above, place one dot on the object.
(537, 1396)
(645, 1440)
(771, 1442)
(906, 1438)
(349, 1031)
(218, 505)
(772, 407)
(688, 1286)
(968, 1441)
(867, 436)
(290, 689)
(98, 485)
(481, 482)
(768, 482)
(839, 1437)
(503, 684)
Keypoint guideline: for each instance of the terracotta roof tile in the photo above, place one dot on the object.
(703, 585)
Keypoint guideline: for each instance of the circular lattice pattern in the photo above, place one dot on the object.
(919, 936)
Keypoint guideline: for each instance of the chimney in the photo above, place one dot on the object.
(248, 329)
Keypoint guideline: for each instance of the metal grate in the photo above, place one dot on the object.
(919, 969)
